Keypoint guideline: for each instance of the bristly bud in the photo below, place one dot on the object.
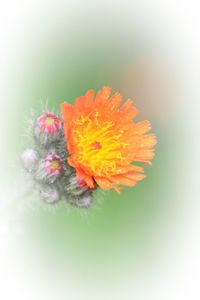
(49, 194)
(30, 158)
(81, 201)
(49, 169)
(77, 193)
(48, 127)
(76, 186)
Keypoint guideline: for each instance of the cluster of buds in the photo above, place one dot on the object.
(47, 164)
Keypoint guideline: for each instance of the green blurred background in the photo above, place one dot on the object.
(59, 68)
(60, 59)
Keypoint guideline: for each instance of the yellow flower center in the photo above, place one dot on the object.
(98, 144)
(55, 164)
(49, 121)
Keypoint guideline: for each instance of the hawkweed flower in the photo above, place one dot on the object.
(104, 141)
(47, 128)
(49, 169)
(94, 145)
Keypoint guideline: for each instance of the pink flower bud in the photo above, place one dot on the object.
(53, 164)
(49, 122)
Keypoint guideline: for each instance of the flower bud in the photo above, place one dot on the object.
(49, 194)
(48, 128)
(76, 186)
(49, 169)
(30, 159)
(81, 201)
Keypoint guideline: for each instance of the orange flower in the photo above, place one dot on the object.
(103, 140)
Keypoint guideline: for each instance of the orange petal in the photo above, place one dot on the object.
(125, 180)
(105, 184)
(88, 179)
(146, 162)
(142, 127)
(67, 111)
(144, 154)
(127, 169)
(135, 176)
(114, 102)
(89, 97)
(80, 102)
(128, 110)
(148, 141)
(103, 95)
(71, 162)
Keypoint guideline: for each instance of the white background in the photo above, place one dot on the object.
(178, 276)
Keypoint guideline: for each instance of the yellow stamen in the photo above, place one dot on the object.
(49, 121)
(99, 145)
(55, 164)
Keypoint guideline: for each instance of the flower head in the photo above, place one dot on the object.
(103, 140)
(49, 169)
(53, 165)
(49, 122)
(48, 128)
